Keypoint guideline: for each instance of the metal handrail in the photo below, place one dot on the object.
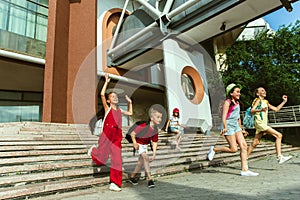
(288, 115)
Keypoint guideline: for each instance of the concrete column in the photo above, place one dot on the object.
(70, 70)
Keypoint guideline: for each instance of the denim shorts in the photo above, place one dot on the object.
(233, 128)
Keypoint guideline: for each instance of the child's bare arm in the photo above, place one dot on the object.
(154, 147)
(129, 112)
(102, 94)
(276, 109)
(135, 145)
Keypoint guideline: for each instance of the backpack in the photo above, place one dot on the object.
(248, 121)
(96, 122)
(140, 134)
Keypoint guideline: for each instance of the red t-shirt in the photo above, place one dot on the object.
(147, 137)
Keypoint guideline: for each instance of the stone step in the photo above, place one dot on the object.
(47, 158)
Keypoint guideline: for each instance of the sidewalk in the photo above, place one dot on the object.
(217, 183)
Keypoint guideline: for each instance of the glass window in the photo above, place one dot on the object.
(25, 18)
(188, 86)
(20, 106)
(3, 15)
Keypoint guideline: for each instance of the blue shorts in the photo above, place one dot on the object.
(179, 128)
(233, 128)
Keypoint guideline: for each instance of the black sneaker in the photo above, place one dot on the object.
(133, 181)
(151, 184)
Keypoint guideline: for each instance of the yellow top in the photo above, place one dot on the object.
(261, 118)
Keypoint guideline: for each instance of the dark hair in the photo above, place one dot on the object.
(255, 92)
(177, 113)
(228, 95)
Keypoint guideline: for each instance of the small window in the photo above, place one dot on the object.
(188, 86)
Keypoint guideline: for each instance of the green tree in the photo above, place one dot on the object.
(271, 60)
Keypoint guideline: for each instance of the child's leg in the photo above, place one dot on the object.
(145, 159)
(231, 140)
(101, 153)
(137, 167)
(116, 166)
(278, 137)
(255, 142)
(243, 150)
(116, 160)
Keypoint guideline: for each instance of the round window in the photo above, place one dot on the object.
(188, 86)
(192, 84)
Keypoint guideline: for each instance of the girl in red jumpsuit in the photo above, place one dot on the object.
(109, 143)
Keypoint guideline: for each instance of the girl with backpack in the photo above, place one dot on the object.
(261, 122)
(232, 129)
(109, 143)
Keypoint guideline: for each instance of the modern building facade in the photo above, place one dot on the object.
(54, 53)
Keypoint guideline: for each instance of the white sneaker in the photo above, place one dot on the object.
(114, 187)
(211, 153)
(89, 152)
(282, 159)
(249, 173)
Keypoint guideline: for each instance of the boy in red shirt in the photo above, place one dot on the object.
(141, 145)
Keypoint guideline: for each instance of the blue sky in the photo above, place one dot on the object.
(283, 17)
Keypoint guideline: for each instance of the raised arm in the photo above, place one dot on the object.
(129, 112)
(103, 90)
(276, 109)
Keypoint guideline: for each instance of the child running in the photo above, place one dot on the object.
(260, 108)
(141, 145)
(109, 143)
(175, 127)
(232, 129)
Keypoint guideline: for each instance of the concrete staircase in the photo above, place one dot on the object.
(43, 159)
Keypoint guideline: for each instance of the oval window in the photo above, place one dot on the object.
(188, 86)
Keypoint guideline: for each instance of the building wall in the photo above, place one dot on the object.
(71, 40)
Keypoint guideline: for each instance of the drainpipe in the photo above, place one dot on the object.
(132, 81)
(22, 57)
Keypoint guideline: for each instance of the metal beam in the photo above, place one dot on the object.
(156, 12)
(118, 26)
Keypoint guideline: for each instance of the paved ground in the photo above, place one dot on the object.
(274, 182)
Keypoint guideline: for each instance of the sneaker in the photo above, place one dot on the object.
(249, 173)
(89, 152)
(282, 159)
(151, 184)
(133, 181)
(114, 187)
(211, 153)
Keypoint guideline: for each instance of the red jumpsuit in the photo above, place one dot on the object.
(109, 143)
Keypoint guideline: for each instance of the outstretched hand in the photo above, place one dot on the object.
(245, 133)
(107, 79)
(223, 131)
(128, 99)
(285, 98)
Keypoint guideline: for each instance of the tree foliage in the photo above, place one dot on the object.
(271, 61)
